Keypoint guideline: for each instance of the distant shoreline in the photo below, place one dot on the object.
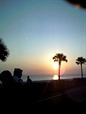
(49, 77)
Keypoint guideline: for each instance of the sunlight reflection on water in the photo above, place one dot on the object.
(55, 77)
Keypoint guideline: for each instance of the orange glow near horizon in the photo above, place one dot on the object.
(44, 66)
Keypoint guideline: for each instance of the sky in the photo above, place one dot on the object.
(35, 30)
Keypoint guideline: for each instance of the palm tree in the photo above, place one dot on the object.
(81, 60)
(4, 52)
(59, 57)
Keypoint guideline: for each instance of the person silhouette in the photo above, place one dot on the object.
(29, 80)
(7, 79)
(17, 75)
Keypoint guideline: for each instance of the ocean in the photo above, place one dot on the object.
(49, 77)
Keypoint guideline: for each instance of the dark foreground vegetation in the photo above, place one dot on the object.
(51, 96)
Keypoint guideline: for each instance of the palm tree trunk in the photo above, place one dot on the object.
(81, 71)
(59, 70)
(59, 73)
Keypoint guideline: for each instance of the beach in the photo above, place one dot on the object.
(58, 97)
(48, 95)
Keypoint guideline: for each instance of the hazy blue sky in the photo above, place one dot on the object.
(35, 30)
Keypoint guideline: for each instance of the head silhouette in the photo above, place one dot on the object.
(18, 72)
(6, 78)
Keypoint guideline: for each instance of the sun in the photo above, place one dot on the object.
(55, 65)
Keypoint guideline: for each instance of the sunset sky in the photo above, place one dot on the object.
(35, 30)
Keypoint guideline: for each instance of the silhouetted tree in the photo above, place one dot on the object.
(4, 52)
(81, 60)
(78, 3)
(59, 57)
